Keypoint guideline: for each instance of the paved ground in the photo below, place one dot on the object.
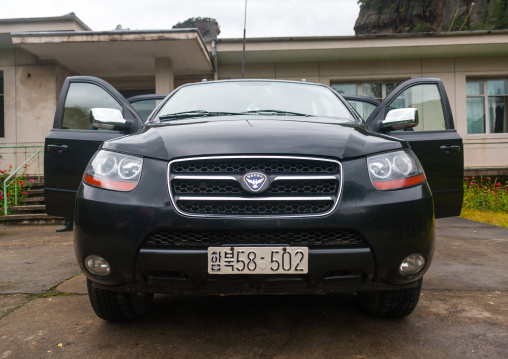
(463, 311)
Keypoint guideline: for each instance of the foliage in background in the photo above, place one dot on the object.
(486, 200)
(20, 185)
(486, 193)
(208, 27)
(417, 16)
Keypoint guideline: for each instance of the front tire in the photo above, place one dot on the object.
(395, 303)
(118, 306)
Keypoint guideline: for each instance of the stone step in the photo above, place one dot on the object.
(34, 218)
(38, 185)
(32, 199)
(33, 213)
(37, 207)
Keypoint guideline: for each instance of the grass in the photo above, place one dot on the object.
(495, 218)
(486, 200)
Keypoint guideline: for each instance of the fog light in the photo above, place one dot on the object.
(412, 265)
(97, 265)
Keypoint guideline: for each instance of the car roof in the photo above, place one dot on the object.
(361, 98)
(147, 97)
(304, 82)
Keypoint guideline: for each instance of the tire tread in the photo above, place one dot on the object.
(395, 303)
(115, 306)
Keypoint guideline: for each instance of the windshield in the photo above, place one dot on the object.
(145, 107)
(251, 98)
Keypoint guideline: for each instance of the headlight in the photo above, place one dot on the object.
(114, 171)
(395, 170)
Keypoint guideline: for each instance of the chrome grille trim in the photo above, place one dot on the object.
(175, 198)
(188, 198)
(197, 177)
(303, 178)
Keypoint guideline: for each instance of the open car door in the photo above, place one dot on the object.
(435, 140)
(77, 134)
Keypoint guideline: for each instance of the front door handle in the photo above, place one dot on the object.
(450, 149)
(58, 147)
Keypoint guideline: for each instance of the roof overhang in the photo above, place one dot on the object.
(395, 46)
(119, 53)
(69, 22)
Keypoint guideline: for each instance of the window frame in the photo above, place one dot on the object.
(2, 107)
(360, 83)
(486, 111)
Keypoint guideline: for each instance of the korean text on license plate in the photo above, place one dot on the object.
(258, 260)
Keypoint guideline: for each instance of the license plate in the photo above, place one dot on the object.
(258, 260)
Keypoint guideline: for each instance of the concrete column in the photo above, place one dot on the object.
(164, 75)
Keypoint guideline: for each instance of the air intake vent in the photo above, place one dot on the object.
(300, 237)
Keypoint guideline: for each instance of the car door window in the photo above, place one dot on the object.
(427, 99)
(145, 107)
(363, 108)
(80, 100)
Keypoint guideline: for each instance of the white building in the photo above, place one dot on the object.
(37, 54)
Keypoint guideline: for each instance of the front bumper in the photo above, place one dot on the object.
(114, 225)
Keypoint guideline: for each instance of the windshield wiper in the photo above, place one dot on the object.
(195, 113)
(278, 112)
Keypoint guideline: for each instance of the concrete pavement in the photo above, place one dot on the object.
(463, 311)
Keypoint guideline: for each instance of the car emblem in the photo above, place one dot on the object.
(255, 182)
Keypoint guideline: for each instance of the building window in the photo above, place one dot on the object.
(377, 90)
(487, 106)
(2, 122)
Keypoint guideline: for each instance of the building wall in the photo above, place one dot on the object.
(480, 151)
(31, 90)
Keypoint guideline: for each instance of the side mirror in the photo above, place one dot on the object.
(109, 119)
(400, 119)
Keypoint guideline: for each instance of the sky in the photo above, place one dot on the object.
(265, 18)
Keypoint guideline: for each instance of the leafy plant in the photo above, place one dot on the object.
(486, 193)
(18, 187)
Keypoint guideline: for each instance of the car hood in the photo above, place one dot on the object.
(242, 136)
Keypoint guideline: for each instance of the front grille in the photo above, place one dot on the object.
(318, 187)
(304, 237)
(215, 186)
(205, 186)
(235, 165)
(255, 207)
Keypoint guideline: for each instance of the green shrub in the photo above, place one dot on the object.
(18, 187)
(486, 193)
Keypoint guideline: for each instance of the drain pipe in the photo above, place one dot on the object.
(214, 59)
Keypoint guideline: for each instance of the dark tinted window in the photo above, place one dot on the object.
(81, 98)
(145, 107)
(364, 109)
(427, 100)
